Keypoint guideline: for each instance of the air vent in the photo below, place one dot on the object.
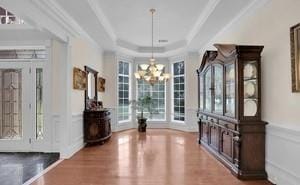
(162, 41)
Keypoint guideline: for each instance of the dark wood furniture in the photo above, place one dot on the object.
(97, 127)
(96, 120)
(229, 94)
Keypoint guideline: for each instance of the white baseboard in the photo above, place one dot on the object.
(282, 154)
(30, 181)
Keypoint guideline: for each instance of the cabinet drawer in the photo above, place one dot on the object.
(227, 125)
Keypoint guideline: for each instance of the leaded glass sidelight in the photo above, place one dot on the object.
(10, 104)
(39, 104)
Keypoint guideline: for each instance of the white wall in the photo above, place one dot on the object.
(68, 103)
(269, 26)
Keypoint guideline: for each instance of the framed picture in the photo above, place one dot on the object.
(295, 57)
(101, 84)
(79, 79)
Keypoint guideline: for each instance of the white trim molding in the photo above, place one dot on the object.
(282, 154)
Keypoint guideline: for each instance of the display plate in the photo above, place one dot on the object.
(249, 89)
(250, 108)
(250, 71)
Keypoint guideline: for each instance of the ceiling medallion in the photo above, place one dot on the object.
(152, 72)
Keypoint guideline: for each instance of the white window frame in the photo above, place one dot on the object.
(172, 91)
(129, 91)
(165, 101)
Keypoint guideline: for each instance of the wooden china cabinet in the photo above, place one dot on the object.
(229, 98)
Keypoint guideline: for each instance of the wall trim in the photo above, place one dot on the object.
(102, 19)
(75, 142)
(208, 9)
(252, 7)
(283, 171)
(285, 133)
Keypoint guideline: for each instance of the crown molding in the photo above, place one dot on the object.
(208, 10)
(55, 12)
(248, 10)
(102, 19)
(122, 56)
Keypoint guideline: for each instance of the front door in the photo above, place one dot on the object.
(15, 106)
(22, 117)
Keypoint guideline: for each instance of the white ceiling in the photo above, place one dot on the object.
(125, 25)
(131, 19)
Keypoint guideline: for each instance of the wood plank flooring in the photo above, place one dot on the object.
(159, 157)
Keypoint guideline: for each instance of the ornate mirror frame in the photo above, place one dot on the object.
(95, 98)
(295, 57)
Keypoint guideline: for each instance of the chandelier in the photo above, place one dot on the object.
(152, 72)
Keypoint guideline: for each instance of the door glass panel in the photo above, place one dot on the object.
(230, 90)
(201, 92)
(10, 103)
(218, 87)
(208, 90)
(39, 104)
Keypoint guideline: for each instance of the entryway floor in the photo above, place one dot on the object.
(17, 168)
(157, 157)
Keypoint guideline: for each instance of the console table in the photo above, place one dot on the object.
(97, 128)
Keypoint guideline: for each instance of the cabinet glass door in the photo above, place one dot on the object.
(218, 89)
(201, 92)
(230, 90)
(250, 88)
(208, 88)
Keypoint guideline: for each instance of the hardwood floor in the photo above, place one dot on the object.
(159, 157)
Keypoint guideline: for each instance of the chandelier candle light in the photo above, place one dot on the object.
(152, 73)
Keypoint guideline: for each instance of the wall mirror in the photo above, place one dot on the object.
(295, 57)
(91, 95)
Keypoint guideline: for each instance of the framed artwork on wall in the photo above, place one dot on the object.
(101, 84)
(295, 57)
(79, 79)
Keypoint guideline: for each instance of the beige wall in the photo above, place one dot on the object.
(269, 26)
(58, 56)
(83, 53)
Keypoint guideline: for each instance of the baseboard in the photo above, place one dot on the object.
(75, 141)
(280, 176)
(282, 154)
(72, 149)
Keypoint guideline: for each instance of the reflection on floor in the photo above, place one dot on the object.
(17, 168)
(157, 157)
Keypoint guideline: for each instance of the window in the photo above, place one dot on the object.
(158, 93)
(124, 112)
(178, 91)
(8, 18)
